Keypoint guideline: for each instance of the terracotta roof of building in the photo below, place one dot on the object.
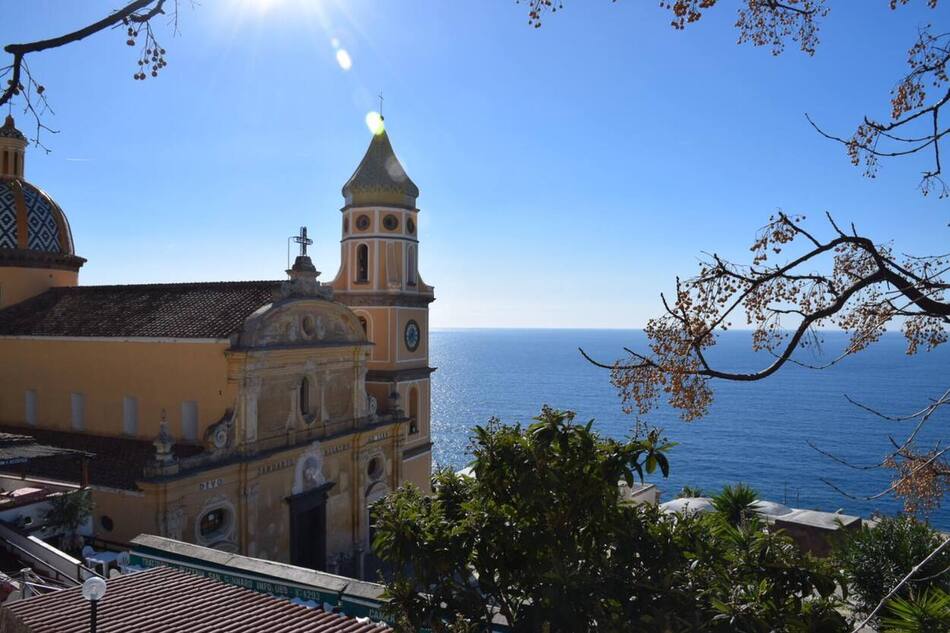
(117, 462)
(185, 310)
(164, 599)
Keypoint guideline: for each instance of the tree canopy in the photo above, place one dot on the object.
(539, 536)
(797, 282)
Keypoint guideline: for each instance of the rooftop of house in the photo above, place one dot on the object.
(118, 462)
(164, 599)
(201, 310)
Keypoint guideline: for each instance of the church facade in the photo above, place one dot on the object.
(261, 418)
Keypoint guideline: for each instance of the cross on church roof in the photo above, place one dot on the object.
(303, 240)
(380, 95)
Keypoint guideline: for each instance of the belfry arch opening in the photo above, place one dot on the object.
(414, 410)
(362, 263)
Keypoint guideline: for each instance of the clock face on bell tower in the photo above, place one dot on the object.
(411, 336)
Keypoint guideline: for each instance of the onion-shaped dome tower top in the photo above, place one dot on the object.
(34, 231)
(380, 178)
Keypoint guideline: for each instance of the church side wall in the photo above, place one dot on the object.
(156, 376)
(19, 284)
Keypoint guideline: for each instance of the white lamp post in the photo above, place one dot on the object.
(93, 590)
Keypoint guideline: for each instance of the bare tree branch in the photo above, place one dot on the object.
(135, 15)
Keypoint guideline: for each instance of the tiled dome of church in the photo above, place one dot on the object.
(30, 220)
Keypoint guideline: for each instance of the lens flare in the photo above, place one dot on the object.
(374, 122)
(343, 59)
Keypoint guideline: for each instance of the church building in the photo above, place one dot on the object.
(259, 417)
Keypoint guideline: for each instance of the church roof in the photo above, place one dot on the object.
(380, 178)
(183, 310)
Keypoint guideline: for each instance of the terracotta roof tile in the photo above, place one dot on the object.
(167, 601)
(186, 310)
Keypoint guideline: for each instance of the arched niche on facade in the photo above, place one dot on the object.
(308, 472)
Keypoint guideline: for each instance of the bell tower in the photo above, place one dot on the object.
(379, 280)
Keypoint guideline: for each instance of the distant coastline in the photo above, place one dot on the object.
(755, 433)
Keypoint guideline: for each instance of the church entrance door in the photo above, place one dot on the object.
(308, 528)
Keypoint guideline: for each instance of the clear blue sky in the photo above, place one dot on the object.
(568, 174)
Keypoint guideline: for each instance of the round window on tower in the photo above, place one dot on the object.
(391, 222)
(362, 222)
(411, 226)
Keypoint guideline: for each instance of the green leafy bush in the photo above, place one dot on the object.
(734, 503)
(689, 492)
(875, 559)
(540, 536)
(927, 612)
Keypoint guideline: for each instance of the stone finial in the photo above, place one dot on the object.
(164, 443)
(394, 404)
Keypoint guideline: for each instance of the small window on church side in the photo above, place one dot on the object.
(365, 325)
(362, 263)
(78, 406)
(189, 420)
(130, 415)
(30, 406)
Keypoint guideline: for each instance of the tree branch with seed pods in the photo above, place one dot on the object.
(844, 281)
(917, 99)
(136, 17)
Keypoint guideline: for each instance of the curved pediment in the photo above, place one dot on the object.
(301, 322)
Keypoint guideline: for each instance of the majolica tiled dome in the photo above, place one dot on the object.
(34, 231)
(31, 220)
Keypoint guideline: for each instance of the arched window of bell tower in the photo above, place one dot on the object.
(362, 263)
(411, 266)
(413, 410)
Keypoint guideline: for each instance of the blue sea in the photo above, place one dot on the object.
(755, 433)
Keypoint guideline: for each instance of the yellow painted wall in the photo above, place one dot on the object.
(160, 375)
(418, 471)
(132, 513)
(19, 284)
